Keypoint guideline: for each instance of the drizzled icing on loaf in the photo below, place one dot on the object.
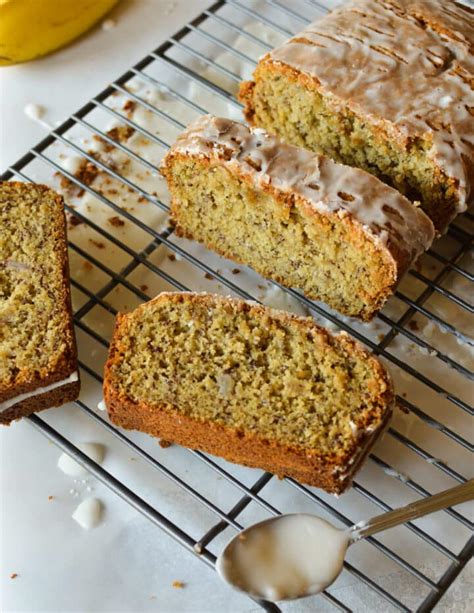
(331, 188)
(406, 64)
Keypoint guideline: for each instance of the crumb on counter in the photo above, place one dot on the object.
(50, 497)
(178, 584)
(164, 444)
(13, 575)
(208, 276)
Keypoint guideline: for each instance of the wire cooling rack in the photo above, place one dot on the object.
(422, 334)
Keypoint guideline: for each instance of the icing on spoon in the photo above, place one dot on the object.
(291, 556)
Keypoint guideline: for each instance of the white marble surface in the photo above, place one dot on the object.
(126, 563)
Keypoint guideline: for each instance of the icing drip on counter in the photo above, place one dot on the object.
(330, 188)
(407, 62)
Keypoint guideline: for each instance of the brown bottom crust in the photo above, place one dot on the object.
(34, 404)
(171, 425)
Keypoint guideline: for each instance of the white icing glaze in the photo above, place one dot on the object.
(286, 557)
(330, 188)
(102, 406)
(37, 392)
(95, 451)
(406, 61)
(73, 163)
(36, 112)
(391, 472)
(89, 513)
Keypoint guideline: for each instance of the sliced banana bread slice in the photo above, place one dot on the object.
(38, 361)
(337, 233)
(253, 385)
(384, 85)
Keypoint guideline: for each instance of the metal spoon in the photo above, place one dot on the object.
(291, 556)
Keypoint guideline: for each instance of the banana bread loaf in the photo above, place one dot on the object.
(384, 85)
(38, 362)
(255, 386)
(337, 233)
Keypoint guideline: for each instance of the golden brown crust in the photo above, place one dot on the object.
(440, 217)
(244, 448)
(333, 474)
(65, 363)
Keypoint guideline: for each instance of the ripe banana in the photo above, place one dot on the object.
(32, 28)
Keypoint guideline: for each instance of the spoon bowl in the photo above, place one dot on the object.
(285, 557)
(293, 556)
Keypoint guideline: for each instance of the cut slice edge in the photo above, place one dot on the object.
(234, 442)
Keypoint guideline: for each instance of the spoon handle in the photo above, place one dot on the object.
(451, 497)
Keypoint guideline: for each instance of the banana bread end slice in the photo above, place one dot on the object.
(383, 86)
(38, 357)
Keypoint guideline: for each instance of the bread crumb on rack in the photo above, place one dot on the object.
(98, 244)
(116, 221)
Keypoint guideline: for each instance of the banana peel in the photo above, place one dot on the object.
(32, 28)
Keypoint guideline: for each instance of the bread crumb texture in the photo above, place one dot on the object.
(279, 237)
(251, 369)
(386, 86)
(301, 115)
(35, 328)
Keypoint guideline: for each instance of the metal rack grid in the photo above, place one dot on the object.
(283, 19)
